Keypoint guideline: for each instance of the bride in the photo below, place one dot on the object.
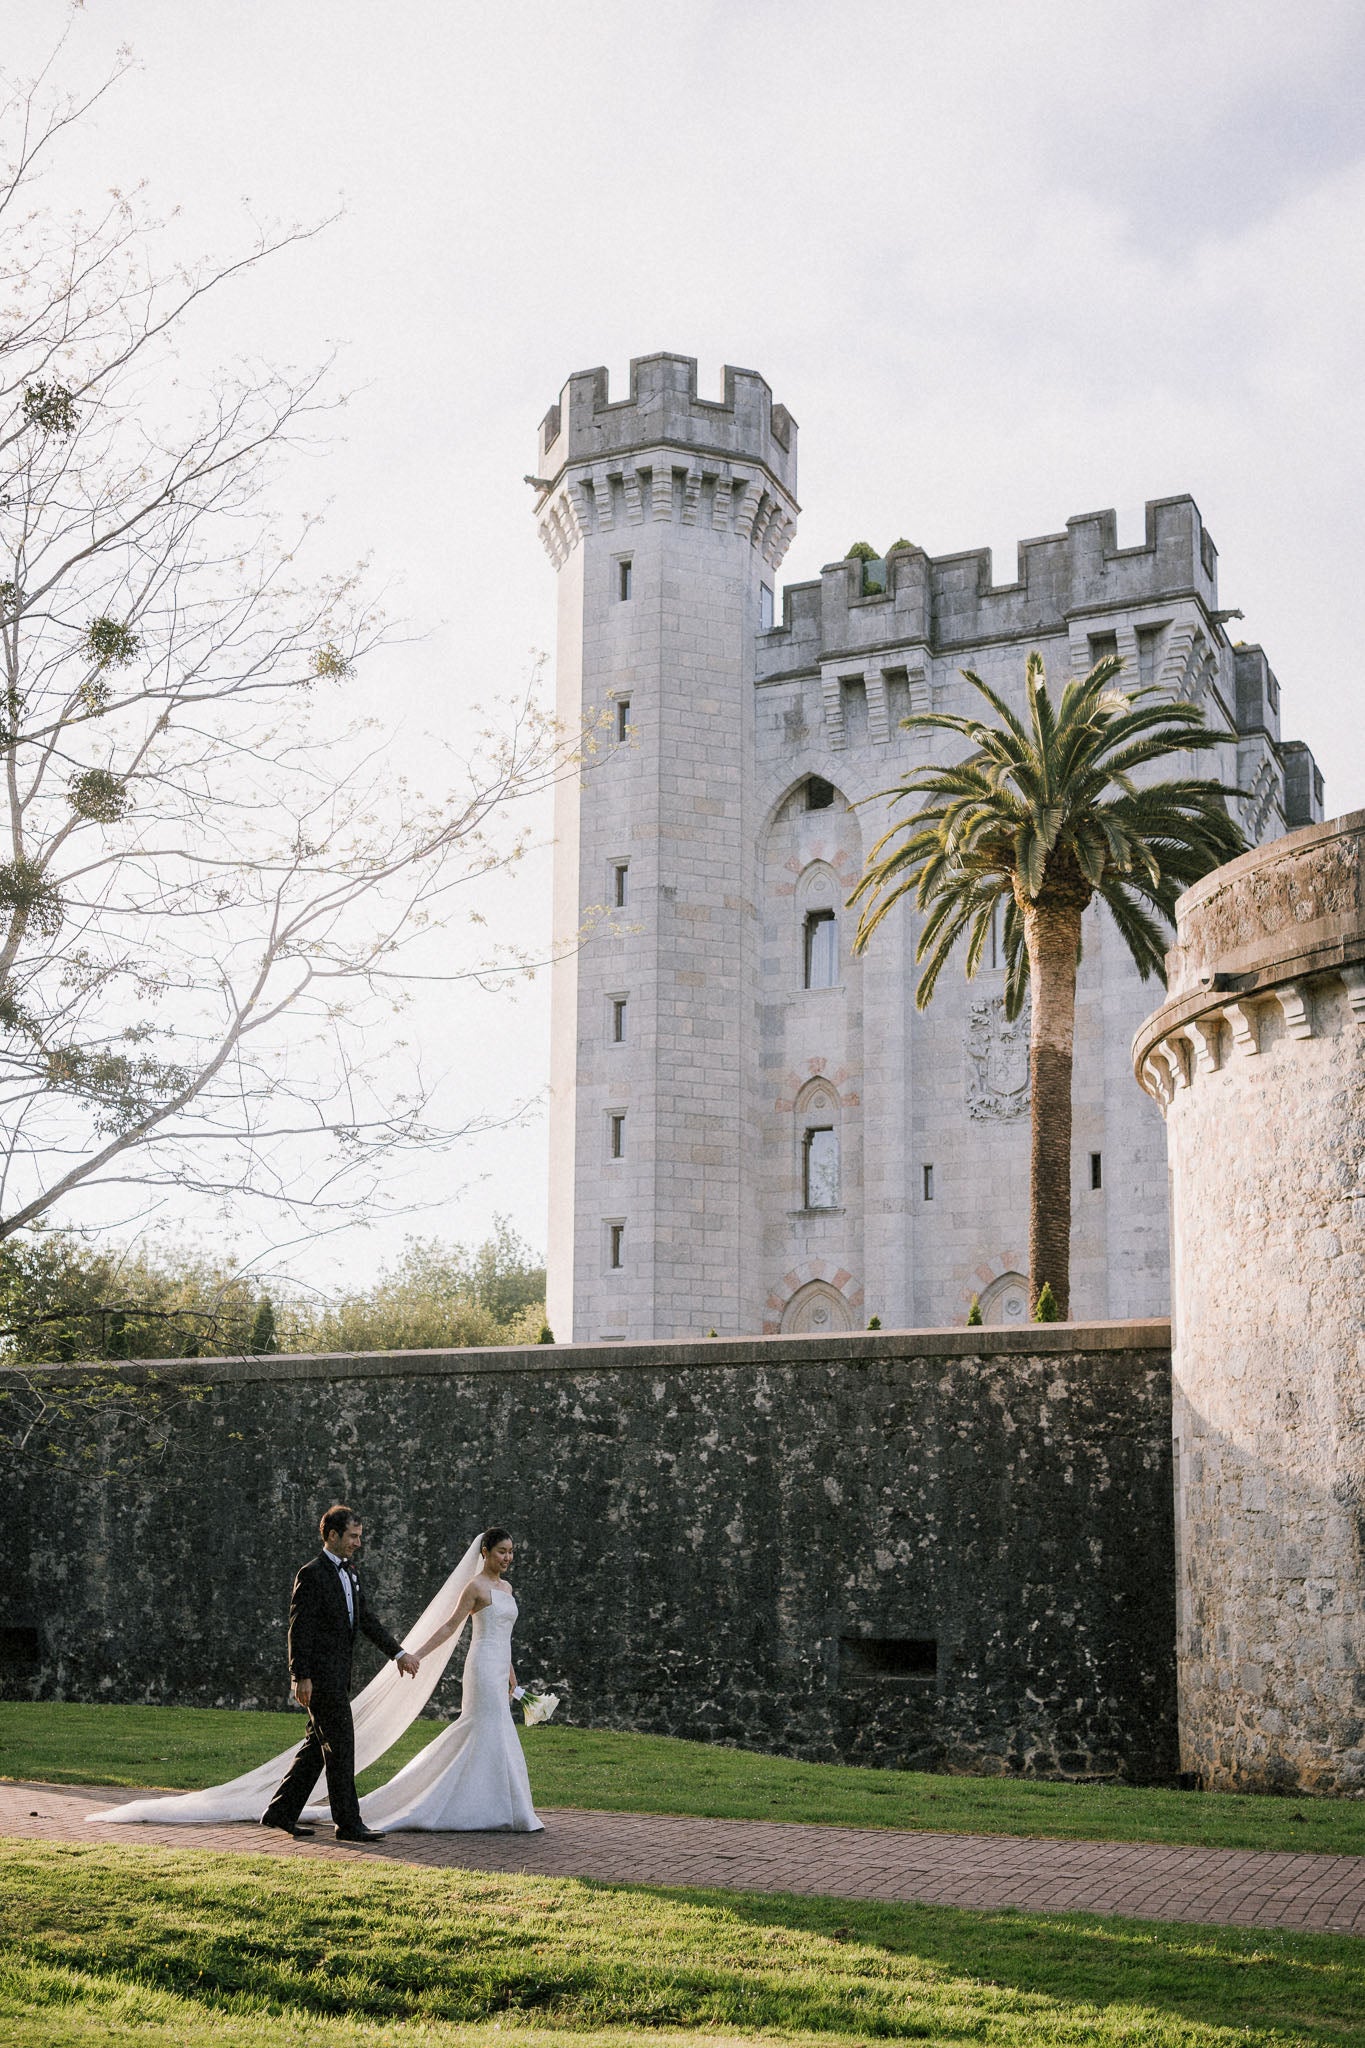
(472, 1775)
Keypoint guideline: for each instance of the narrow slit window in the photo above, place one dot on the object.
(622, 720)
(765, 608)
(1097, 1169)
(619, 871)
(618, 1020)
(624, 579)
(616, 1246)
(928, 1183)
(820, 1168)
(821, 949)
(616, 1134)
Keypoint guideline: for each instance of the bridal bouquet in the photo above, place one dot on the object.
(535, 1706)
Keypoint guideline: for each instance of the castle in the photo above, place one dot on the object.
(752, 1130)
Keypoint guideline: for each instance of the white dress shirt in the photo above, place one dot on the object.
(345, 1575)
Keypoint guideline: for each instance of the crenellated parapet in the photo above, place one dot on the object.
(665, 454)
(948, 603)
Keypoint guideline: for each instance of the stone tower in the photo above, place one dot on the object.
(666, 516)
(752, 1128)
(1258, 1058)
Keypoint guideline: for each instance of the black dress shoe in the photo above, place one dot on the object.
(360, 1834)
(284, 1827)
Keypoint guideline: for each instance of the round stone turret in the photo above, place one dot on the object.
(1258, 1058)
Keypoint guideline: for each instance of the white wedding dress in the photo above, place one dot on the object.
(473, 1775)
(485, 1761)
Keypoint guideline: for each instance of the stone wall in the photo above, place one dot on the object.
(949, 1549)
(1259, 1060)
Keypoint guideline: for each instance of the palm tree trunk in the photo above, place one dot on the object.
(1053, 936)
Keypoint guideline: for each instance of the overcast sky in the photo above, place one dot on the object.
(1004, 262)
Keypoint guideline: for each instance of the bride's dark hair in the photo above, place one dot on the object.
(491, 1538)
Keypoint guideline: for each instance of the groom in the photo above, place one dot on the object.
(325, 1610)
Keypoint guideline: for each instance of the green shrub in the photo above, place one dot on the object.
(974, 1315)
(874, 1322)
(1045, 1309)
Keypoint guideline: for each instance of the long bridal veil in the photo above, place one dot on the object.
(389, 1704)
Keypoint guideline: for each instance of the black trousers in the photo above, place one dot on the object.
(329, 1745)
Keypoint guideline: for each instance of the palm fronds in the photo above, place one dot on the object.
(1048, 808)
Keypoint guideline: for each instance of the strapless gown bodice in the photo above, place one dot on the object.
(473, 1775)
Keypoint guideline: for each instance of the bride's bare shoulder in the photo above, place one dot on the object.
(481, 1586)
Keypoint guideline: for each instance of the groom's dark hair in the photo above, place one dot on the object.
(337, 1520)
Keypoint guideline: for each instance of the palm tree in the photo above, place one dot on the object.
(1044, 813)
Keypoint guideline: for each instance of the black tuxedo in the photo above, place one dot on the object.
(321, 1642)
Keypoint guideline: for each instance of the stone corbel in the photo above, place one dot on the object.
(1354, 979)
(878, 713)
(748, 507)
(691, 496)
(567, 512)
(832, 693)
(1208, 1038)
(604, 512)
(1180, 1057)
(778, 539)
(1245, 1036)
(1156, 1078)
(580, 498)
(1292, 997)
(722, 504)
(919, 696)
(630, 484)
(661, 489)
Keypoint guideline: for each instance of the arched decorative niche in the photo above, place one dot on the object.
(817, 1309)
(1004, 1304)
(819, 1097)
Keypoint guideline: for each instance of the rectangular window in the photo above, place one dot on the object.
(622, 720)
(618, 1020)
(623, 578)
(821, 949)
(616, 1133)
(1102, 645)
(1096, 1170)
(616, 1246)
(820, 1171)
(765, 608)
(928, 1183)
(619, 869)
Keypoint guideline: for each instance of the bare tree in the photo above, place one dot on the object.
(207, 874)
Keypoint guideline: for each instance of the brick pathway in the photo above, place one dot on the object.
(1242, 1887)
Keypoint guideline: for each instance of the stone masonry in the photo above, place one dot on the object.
(947, 1550)
(750, 1129)
(1258, 1059)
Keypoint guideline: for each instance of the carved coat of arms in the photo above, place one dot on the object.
(997, 1060)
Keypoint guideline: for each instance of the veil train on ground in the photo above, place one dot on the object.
(386, 1708)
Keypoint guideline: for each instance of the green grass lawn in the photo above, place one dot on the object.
(165, 1947)
(186, 1747)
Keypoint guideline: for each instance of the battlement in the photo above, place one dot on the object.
(951, 601)
(663, 410)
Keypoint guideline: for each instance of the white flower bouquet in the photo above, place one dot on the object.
(536, 1706)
